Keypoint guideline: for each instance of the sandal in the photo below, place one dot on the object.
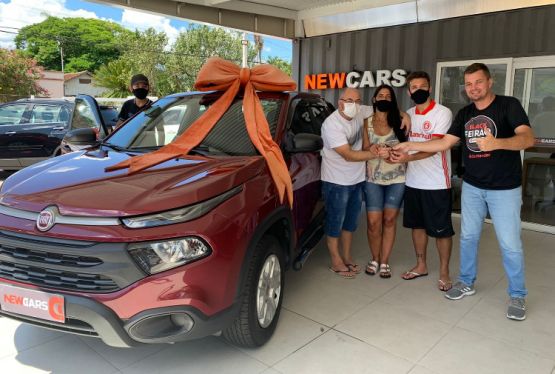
(355, 268)
(385, 271)
(347, 274)
(444, 286)
(372, 268)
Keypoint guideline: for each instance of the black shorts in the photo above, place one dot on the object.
(429, 210)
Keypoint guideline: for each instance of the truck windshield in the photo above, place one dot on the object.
(170, 117)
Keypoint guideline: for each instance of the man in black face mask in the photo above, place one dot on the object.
(428, 181)
(139, 86)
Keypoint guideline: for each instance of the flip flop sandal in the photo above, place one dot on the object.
(347, 274)
(412, 275)
(385, 271)
(372, 268)
(444, 286)
(353, 268)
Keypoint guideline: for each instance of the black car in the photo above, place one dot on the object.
(31, 130)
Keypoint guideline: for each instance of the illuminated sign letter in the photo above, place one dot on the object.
(367, 80)
(351, 82)
(399, 78)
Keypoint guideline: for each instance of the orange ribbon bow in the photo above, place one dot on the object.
(221, 75)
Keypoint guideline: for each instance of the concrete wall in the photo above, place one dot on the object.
(72, 87)
(53, 81)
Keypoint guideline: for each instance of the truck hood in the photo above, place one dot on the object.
(78, 185)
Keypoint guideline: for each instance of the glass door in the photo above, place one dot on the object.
(534, 86)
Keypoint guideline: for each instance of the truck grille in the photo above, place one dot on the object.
(49, 258)
(56, 278)
(62, 264)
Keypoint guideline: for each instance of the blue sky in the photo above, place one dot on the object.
(15, 14)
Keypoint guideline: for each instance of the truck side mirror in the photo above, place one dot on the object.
(305, 142)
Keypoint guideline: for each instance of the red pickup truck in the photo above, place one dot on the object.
(194, 246)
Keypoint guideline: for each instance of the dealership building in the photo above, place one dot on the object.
(363, 43)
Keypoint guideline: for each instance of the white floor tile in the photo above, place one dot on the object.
(17, 337)
(335, 352)
(292, 332)
(122, 357)
(462, 351)
(204, 356)
(536, 333)
(403, 332)
(65, 355)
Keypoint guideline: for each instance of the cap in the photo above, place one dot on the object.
(139, 78)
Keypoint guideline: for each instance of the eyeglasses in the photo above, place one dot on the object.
(350, 101)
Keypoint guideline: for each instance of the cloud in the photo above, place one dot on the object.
(132, 19)
(20, 13)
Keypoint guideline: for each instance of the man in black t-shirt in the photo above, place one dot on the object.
(140, 87)
(493, 130)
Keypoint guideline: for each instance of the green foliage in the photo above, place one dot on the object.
(194, 46)
(280, 64)
(115, 76)
(86, 43)
(170, 70)
(18, 76)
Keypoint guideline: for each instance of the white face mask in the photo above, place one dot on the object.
(351, 109)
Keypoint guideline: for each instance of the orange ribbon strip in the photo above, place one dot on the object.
(221, 75)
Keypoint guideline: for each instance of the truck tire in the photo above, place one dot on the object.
(261, 297)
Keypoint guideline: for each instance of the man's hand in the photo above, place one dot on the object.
(383, 151)
(402, 147)
(399, 157)
(374, 150)
(487, 143)
(405, 122)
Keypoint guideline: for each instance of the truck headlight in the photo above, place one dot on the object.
(155, 257)
(188, 213)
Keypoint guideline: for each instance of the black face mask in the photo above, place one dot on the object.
(140, 93)
(384, 105)
(420, 96)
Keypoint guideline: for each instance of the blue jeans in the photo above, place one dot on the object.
(343, 205)
(504, 209)
(379, 197)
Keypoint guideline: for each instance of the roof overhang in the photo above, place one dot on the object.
(294, 18)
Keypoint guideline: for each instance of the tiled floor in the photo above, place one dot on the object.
(333, 325)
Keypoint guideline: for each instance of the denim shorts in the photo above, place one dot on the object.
(343, 205)
(379, 197)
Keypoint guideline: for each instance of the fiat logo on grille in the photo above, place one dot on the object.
(46, 219)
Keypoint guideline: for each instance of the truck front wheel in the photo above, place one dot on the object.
(261, 297)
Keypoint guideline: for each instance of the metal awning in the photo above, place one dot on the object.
(305, 18)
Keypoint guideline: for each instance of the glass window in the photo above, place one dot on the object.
(83, 116)
(538, 188)
(11, 114)
(541, 109)
(309, 117)
(168, 118)
(45, 114)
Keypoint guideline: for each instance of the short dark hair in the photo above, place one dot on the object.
(418, 74)
(477, 66)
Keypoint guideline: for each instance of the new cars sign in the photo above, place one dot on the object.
(355, 79)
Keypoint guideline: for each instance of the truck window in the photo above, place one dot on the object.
(309, 116)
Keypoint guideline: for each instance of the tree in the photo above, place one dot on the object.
(86, 43)
(115, 77)
(194, 46)
(280, 63)
(18, 76)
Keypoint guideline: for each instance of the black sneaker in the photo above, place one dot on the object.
(459, 290)
(517, 309)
